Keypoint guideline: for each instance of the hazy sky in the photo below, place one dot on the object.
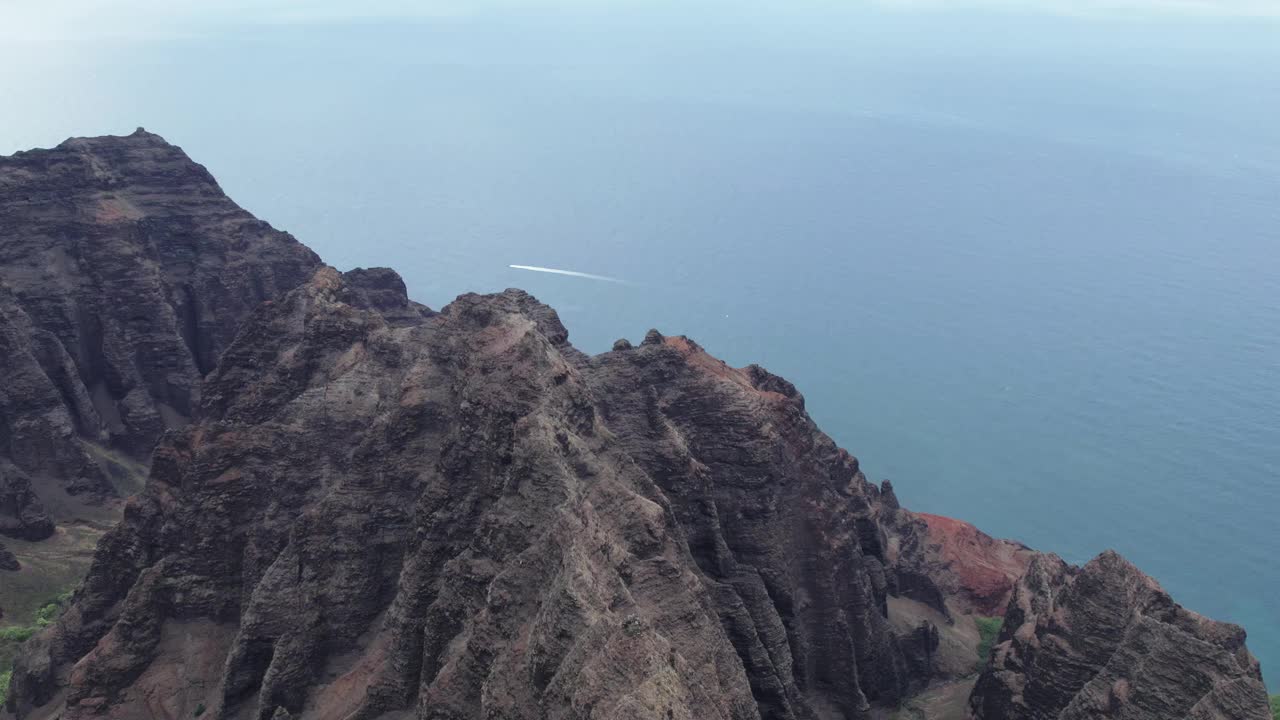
(39, 38)
(49, 23)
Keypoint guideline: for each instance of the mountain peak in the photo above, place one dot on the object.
(358, 507)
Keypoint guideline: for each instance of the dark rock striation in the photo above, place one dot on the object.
(1106, 641)
(124, 273)
(359, 508)
(466, 515)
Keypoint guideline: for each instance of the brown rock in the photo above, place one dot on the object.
(124, 273)
(380, 511)
(937, 559)
(1106, 641)
(468, 515)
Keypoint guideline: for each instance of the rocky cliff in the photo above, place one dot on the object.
(124, 273)
(505, 526)
(366, 509)
(1106, 641)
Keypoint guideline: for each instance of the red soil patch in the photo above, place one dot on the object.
(986, 568)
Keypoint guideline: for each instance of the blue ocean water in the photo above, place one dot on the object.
(1026, 265)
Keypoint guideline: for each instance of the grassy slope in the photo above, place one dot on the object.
(53, 566)
(49, 567)
(32, 596)
(941, 701)
(12, 637)
(989, 627)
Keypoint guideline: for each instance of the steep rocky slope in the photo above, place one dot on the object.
(365, 509)
(465, 514)
(1106, 641)
(124, 273)
(949, 564)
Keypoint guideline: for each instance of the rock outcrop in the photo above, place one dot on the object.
(1106, 641)
(359, 508)
(124, 273)
(464, 514)
(8, 562)
(21, 514)
(949, 564)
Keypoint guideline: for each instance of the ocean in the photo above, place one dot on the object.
(1024, 264)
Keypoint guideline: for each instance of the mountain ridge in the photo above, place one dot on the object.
(124, 272)
(372, 508)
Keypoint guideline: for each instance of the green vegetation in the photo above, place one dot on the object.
(1275, 707)
(52, 565)
(988, 630)
(199, 709)
(17, 634)
(51, 610)
(13, 636)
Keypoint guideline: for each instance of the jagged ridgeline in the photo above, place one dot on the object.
(124, 274)
(357, 507)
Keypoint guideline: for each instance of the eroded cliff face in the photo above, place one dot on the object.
(124, 273)
(460, 515)
(949, 564)
(366, 509)
(1106, 641)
